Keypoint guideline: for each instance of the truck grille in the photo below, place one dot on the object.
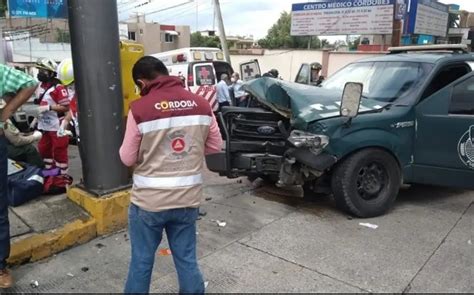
(258, 126)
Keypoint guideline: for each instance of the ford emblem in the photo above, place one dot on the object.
(266, 130)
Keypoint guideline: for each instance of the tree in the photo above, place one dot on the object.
(198, 40)
(279, 36)
(63, 36)
(354, 44)
(3, 8)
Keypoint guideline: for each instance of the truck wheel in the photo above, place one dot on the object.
(366, 184)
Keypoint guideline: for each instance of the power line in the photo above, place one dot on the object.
(186, 12)
(164, 9)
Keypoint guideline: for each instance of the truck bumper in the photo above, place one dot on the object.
(248, 163)
(243, 164)
(320, 162)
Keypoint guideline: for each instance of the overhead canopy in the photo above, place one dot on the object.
(172, 33)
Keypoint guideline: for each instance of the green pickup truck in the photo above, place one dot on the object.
(403, 118)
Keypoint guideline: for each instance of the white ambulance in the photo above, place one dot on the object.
(201, 69)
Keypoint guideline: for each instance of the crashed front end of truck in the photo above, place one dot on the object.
(281, 139)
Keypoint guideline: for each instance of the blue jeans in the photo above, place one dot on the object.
(146, 230)
(4, 224)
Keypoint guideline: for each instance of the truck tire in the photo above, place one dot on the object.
(366, 184)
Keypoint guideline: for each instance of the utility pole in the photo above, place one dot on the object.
(397, 32)
(220, 23)
(197, 15)
(99, 90)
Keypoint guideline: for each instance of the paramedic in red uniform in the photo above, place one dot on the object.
(169, 130)
(53, 107)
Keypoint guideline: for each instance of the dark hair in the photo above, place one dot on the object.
(148, 67)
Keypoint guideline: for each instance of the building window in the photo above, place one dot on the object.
(132, 36)
(169, 38)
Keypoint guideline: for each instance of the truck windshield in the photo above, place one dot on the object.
(383, 81)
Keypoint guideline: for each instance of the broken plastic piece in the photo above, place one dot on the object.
(34, 284)
(221, 223)
(164, 252)
(70, 275)
(369, 225)
(100, 245)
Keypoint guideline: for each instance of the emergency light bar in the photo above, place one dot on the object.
(459, 48)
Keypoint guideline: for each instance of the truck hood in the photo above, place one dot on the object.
(302, 103)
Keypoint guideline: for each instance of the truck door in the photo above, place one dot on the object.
(249, 70)
(444, 143)
(205, 83)
(303, 74)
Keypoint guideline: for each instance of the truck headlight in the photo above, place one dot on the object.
(305, 139)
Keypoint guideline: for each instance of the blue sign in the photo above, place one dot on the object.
(417, 22)
(38, 8)
(338, 4)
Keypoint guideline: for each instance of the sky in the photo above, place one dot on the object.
(241, 17)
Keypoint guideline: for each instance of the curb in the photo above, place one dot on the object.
(40, 246)
(110, 212)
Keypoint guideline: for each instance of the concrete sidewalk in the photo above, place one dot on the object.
(284, 244)
(49, 224)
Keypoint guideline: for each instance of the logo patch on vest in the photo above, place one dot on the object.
(179, 144)
(177, 105)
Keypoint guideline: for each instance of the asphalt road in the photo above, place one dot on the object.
(286, 244)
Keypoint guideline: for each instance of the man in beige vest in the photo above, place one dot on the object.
(169, 130)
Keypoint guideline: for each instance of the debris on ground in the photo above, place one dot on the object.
(206, 283)
(202, 213)
(164, 252)
(100, 245)
(70, 275)
(220, 223)
(34, 284)
(469, 242)
(197, 233)
(85, 269)
(208, 198)
(239, 181)
(258, 183)
(369, 225)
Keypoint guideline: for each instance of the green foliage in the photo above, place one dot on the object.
(279, 36)
(198, 40)
(63, 36)
(353, 45)
(3, 8)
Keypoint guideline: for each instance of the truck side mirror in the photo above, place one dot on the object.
(351, 99)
